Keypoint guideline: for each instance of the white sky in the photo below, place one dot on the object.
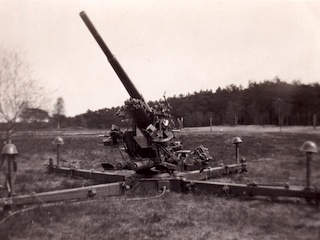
(164, 46)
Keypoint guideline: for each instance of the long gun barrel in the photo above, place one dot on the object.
(131, 89)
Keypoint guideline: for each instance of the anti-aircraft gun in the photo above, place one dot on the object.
(161, 151)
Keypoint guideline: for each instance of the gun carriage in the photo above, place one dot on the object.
(161, 152)
(161, 157)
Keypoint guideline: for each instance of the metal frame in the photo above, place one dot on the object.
(117, 184)
(174, 184)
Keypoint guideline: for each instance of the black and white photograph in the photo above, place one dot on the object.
(159, 119)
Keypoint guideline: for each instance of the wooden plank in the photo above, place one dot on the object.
(83, 193)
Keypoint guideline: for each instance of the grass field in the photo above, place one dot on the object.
(272, 157)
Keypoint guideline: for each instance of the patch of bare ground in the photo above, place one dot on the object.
(272, 157)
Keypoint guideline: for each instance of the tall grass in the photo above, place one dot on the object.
(271, 157)
(174, 216)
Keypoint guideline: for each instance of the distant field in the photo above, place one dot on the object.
(272, 156)
(240, 128)
(255, 129)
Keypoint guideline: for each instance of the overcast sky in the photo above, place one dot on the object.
(164, 45)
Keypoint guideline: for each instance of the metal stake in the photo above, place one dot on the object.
(58, 141)
(308, 173)
(237, 153)
(309, 148)
(10, 160)
(58, 155)
(236, 141)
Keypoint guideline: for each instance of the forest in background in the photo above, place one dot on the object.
(265, 103)
(270, 102)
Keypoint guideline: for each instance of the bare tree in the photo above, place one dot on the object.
(58, 111)
(18, 90)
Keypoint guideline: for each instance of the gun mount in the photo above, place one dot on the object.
(161, 152)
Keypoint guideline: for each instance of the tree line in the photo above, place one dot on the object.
(269, 102)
